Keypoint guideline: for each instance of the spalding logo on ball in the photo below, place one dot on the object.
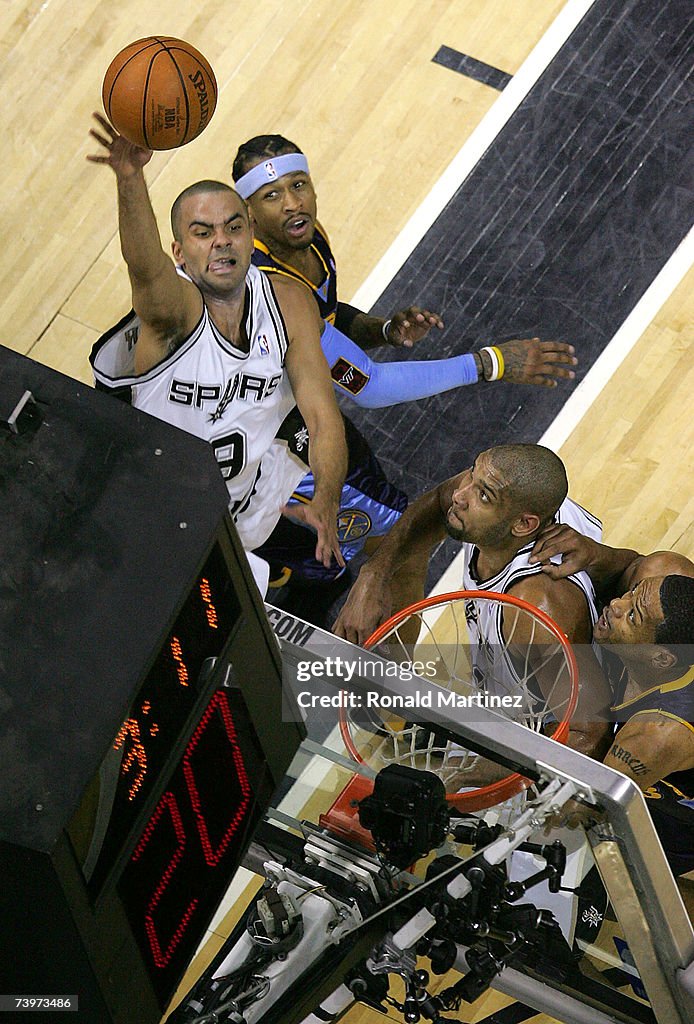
(159, 92)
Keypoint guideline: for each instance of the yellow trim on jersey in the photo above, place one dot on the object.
(283, 578)
(678, 792)
(665, 714)
(676, 684)
(293, 276)
(324, 233)
(291, 271)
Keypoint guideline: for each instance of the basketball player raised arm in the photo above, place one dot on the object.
(168, 305)
(217, 258)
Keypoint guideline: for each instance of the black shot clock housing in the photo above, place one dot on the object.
(141, 723)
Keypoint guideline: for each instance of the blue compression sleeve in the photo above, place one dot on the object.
(375, 385)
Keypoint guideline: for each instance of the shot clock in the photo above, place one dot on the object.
(141, 731)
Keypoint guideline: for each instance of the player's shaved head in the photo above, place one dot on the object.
(197, 188)
(260, 147)
(535, 478)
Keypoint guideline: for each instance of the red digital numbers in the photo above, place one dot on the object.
(232, 801)
(167, 802)
(219, 705)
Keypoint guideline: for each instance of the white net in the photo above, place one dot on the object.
(484, 650)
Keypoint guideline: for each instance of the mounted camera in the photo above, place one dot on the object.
(407, 814)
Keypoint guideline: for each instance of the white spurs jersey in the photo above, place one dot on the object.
(236, 400)
(492, 666)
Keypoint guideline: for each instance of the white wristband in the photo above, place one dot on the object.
(385, 329)
(496, 368)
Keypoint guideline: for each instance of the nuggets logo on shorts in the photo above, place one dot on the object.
(348, 376)
(352, 524)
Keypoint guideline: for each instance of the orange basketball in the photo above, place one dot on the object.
(159, 92)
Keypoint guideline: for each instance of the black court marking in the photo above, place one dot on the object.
(556, 233)
(471, 68)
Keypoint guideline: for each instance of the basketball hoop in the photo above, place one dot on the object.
(541, 673)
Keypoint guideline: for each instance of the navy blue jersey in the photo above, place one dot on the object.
(671, 800)
(326, 291)
(369, 504)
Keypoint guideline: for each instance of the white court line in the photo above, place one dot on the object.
(445, 188)
(611, 358)
(607, 363)
(479, 141)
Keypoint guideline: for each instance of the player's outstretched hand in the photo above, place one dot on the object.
(410, 325)
(573, 815)
(124, 157)
(532, 361)
(368, 604)
(577, 551)
(321, 517)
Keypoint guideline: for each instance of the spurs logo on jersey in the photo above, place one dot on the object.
(493, 667)
(242, 386)
(234, 399)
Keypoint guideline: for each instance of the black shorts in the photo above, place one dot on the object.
(369, 506)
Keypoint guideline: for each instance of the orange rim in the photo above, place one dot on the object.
(496, 792)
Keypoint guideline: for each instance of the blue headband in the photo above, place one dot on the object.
(270, 170)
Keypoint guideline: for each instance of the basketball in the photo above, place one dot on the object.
(159, 92)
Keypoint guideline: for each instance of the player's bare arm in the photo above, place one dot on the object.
(403, 551)
(402, 329)
(565, 603)
(312, 386)
(650, 747)
(604, 565)
(613, 569)
(168, 306)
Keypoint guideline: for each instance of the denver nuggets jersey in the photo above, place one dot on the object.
(671, 800)
(325, 292)
(234, 399)
(484, 619)
(369, 505)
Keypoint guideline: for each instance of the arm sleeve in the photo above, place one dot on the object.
(376, 385)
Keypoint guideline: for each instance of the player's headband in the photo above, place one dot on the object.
(270, 170)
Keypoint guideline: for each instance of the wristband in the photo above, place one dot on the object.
(385, 329)
(497, 359)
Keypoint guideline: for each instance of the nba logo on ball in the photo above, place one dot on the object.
(270, 170)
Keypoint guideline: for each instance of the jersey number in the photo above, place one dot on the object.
(230, 453)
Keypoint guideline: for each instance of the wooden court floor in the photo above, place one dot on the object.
(353, 83)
